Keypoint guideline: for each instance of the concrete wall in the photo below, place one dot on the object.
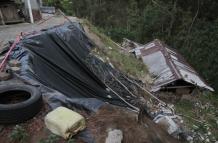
(35, 5)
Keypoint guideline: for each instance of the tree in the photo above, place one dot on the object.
(187, 25)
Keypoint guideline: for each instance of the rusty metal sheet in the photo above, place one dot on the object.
(167, 65)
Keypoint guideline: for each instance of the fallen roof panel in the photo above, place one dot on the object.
(167, 65)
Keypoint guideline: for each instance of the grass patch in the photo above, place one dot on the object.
(186, 108)
(18, 134)
(203, 109)
(120, 59)
(50, 139)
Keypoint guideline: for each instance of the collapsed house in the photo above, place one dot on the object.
(58, 64)
(167, 67)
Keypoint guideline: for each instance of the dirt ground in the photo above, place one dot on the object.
(34, 128)
(109, 118)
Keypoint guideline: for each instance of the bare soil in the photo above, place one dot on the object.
(35, 128)
(110, 117)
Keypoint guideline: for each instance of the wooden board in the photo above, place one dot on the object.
(9, 14)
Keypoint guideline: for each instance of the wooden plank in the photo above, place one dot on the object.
(2, 18)
(14, 21)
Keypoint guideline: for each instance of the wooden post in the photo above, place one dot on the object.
(2, 18)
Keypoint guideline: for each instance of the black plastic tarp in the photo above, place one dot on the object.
(56, 57)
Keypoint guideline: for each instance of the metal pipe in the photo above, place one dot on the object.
(122, 84)
(2, 65)
(146, 91)
(130, 105)
(30, 11)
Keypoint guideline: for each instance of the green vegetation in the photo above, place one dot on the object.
(201, 115)
(125, 62)
(190, 26)
(50, 139)
(18, 134)
(71, 141)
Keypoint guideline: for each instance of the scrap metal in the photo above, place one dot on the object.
(167, 66)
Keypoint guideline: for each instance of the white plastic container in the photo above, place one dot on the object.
(64, 122)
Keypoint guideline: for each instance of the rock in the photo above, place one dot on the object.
(167, 123)
(189, 139)
(114, 136)
(109, 96)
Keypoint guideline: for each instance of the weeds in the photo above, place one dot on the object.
(18, 134)
(51, 139)
(121, 60)
(71, 141)
(55, 139)
(205, 110)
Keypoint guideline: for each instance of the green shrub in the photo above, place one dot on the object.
(50, 139)
(18, 134)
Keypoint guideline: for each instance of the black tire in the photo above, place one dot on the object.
(23, 110)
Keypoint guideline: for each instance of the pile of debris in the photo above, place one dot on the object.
(57, 64)
(173, 76)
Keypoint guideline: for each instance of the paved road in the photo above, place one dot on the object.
(9, 32)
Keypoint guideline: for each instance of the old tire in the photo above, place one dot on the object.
(18, 103)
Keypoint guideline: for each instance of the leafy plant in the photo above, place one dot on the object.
(71, 141)
(18, 134)
(125, 62)
(50, 139)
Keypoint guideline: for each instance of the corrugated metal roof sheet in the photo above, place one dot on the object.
(167, 65)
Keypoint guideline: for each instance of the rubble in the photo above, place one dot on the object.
(156, 109)
(87, 83)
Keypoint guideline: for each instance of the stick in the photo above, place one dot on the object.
(122, 84)
(123, 99)
(8, 53)
(191, 118)
(118, 45)
(64, 15)
(149, 93)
